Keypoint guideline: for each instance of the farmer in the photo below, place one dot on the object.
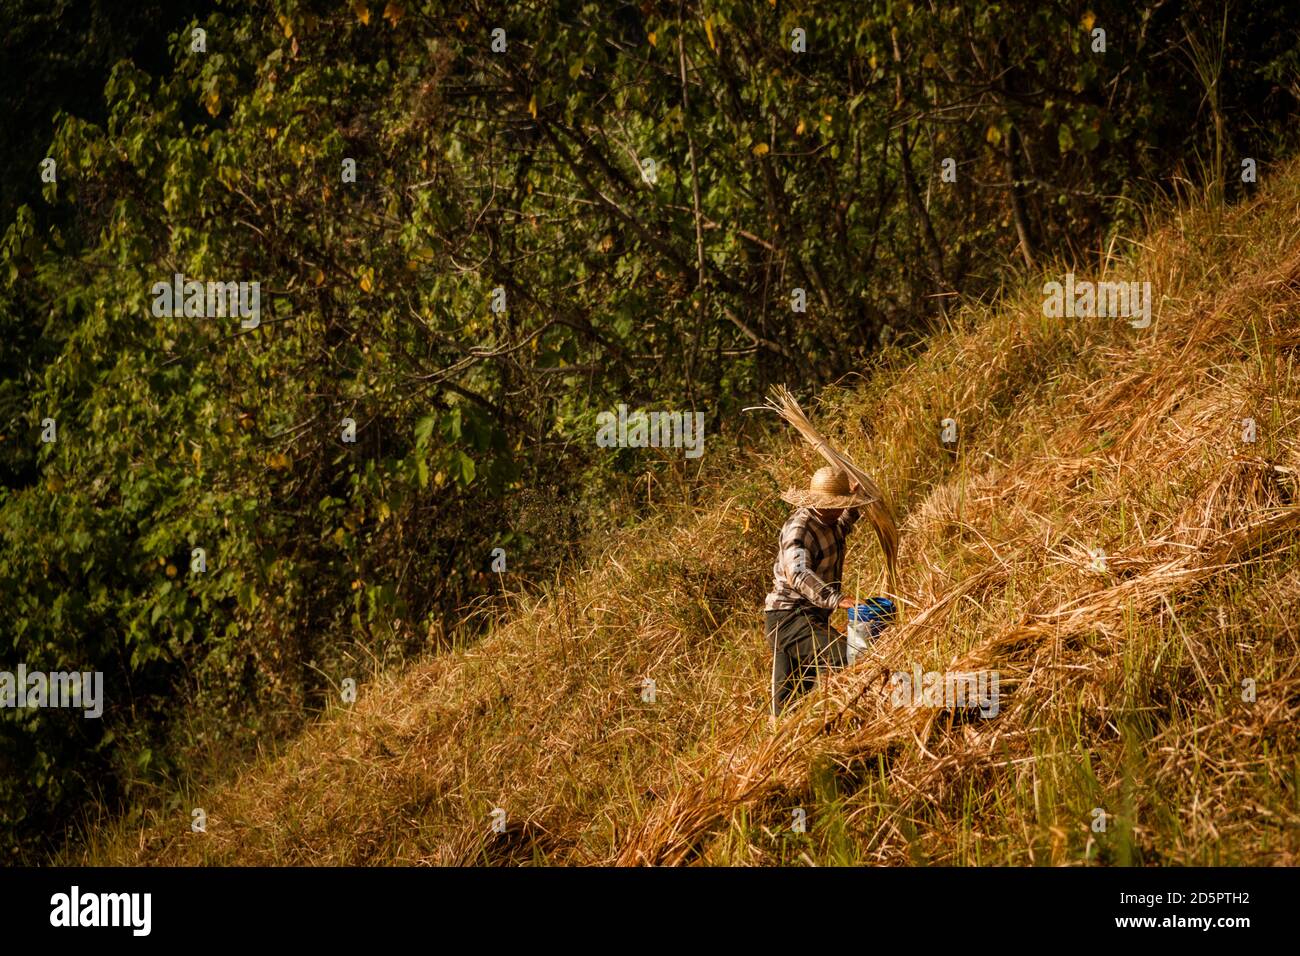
(809, 563)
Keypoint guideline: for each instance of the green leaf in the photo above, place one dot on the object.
(423, 429)
(466, 464)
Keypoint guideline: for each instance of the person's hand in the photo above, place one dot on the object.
(846, 603)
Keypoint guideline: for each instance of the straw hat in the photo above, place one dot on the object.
(829, 488)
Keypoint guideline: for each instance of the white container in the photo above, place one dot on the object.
(859, 638)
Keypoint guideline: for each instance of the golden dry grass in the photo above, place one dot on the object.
(1122, 683)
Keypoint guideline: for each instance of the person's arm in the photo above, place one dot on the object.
(795, 568)
(849, 517)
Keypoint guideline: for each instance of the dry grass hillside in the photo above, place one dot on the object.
(1122, 680)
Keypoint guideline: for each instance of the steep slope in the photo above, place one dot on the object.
(1103, 538)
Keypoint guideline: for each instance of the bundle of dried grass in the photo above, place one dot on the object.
(878, 510)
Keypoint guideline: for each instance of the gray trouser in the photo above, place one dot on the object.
(803, 644)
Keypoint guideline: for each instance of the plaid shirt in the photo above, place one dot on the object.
(810, 561)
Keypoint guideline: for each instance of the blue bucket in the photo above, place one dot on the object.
(866, 621)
